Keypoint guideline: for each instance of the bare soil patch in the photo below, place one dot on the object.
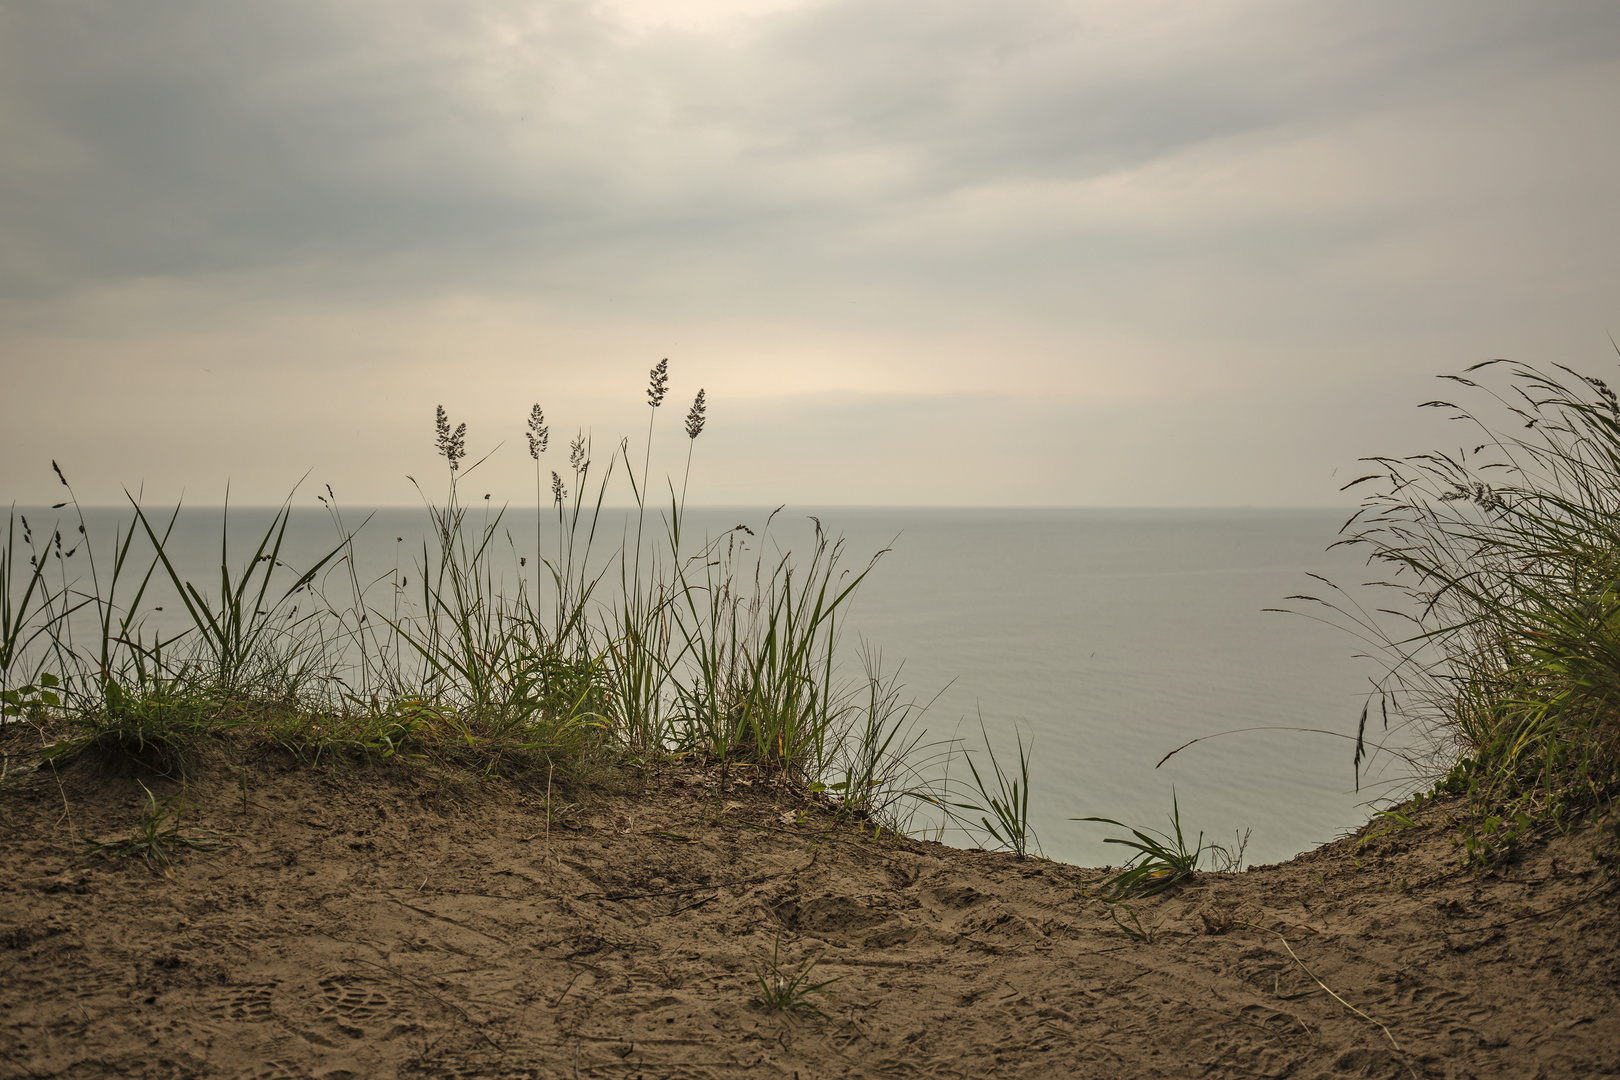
(378, 922)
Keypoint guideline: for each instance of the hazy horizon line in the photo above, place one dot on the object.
(731, 506)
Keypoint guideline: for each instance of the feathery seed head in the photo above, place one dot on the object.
(452, 444)
(694, 416)
(1610, 400)
(576, 453)
(658, 383)
(539, 434)
(558, 492)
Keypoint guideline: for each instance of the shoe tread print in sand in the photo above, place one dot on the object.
(357, 1003)
(245, 1003)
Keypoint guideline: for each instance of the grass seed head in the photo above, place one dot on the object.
(539, 434)
(695, 417)
(658, 383)
(452, 444)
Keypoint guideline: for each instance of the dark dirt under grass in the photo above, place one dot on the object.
(380, 921)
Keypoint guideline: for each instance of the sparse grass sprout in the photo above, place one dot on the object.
(789, 991)
(158, 835)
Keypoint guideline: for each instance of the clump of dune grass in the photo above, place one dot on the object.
(882, 768)
(653, 643)
(1162, 860)
(1503, 640)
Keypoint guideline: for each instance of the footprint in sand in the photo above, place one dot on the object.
(243, 1004)
(355, 999)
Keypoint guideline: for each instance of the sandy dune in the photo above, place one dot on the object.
(374, 923)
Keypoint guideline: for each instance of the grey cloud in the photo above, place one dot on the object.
(1000, 250)
(980, 91)
(526, 142)
(207, 137)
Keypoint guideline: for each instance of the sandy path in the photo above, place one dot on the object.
(369, 925)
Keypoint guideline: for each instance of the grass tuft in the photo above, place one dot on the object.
(789, 991)
(158, 835)
(1162, 860)
(1003, 799)
(1503, 641)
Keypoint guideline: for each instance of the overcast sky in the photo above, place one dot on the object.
(916, 251)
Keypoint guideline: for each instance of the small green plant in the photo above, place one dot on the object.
(1135, 929)
(1396, 821)
(1488, 840)
(158, 835)
(153, 725)
(1007, 800)
(1162, 860)
(781, 991)
(31, 700)
(499, 678)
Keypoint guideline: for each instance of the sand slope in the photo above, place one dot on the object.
(373, 923)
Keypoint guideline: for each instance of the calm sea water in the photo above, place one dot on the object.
(1106, 638)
